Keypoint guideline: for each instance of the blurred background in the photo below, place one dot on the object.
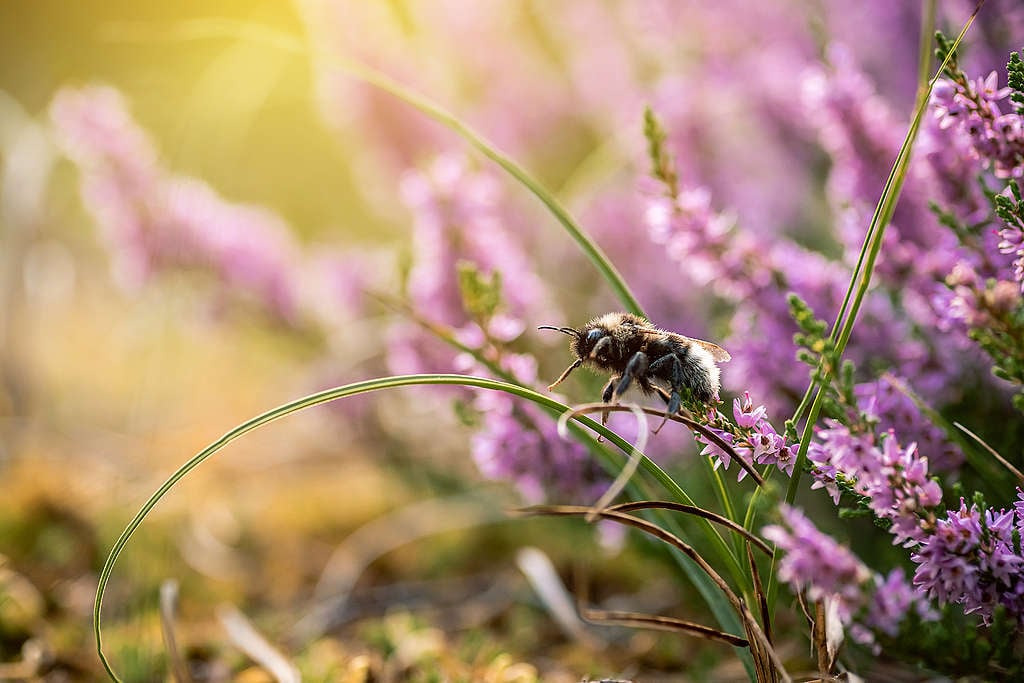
(199, 225)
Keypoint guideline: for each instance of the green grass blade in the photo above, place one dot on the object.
(351, 390)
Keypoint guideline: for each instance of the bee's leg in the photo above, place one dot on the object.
(606, 397)
(609, 389)
(666, 397)
(673, 398)
(636, 367)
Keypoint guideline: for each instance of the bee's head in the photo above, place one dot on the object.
(593, 343)
(589, 343)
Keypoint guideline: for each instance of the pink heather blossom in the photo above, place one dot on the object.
(974, 107)
(154, 221)
(815, 564)
(972, 559)
(751, 437)
(894, 480)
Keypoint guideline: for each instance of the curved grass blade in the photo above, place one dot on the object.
(660, 623)
(698, 512)
(692, 424)
(573, 510)
(331, 395)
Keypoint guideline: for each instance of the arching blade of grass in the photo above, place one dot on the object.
(200, 29)
(351, 390)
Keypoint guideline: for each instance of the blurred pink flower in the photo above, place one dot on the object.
(154, 221)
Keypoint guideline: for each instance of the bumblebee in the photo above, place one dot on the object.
(632, 350)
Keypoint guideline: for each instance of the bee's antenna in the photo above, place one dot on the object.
(564, 330)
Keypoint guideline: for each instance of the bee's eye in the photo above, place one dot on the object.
(594, 335)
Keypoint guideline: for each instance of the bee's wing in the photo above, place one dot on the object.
(716, 351)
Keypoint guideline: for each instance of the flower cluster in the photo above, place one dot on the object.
(1010, 208)
(814, 563)
(974, 302)
(460, 217)
(894, 598)
(519, 443)
(751, 437)
(463, 227)
(708, 247)
(968, 556)
(972, 558)
(997, 138)
(885, 405)
(893, 480)
(154, 221)
(1011, 242)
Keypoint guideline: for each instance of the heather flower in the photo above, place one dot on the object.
(248, 247)
(894, 480)
(458, 215)
(756, 274)
(892, 601)
(1011, 241)
(683, 309)
(519, 443)
(972, 303)
(883, 404)
(814, 563)
(863, 136)
(967, 556)
(710, 250)
(751, 437)
(98, 132)
(973, 107)
(953, 168)
(154, 221)
(972, 559)
(713, 450)
(461, 216)
(1018, 506)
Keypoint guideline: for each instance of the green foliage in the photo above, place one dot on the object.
(957, 646)
(1010, 209)
(481, 295)
(1015, 79)
(1002, 334)
(817, 349)
(662, 165)
(466, 413)
(945, 51)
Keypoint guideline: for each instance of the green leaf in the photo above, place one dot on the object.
(481, 295)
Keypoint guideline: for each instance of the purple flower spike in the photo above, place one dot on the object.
(154, 221)
(971, 559)
(815, 563)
